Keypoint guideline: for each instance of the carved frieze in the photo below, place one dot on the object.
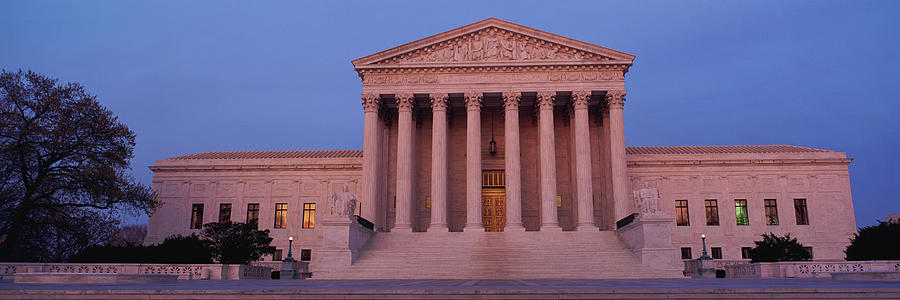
(490, 45)
(479, 77)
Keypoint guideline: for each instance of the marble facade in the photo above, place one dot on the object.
(447, 114)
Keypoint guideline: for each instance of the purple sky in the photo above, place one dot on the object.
(194, 76)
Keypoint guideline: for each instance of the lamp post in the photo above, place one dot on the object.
(290, 256)
(702, 255)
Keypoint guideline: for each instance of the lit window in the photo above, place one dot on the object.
(681, 213)
(740, 212)
(309, 215)
(686, 253)
(771, 212)
(280, 215)
(745, 252)
(712, 212)
(800, 210)
(197, 216)
(716, 252)
(252, 213)
(224, 212)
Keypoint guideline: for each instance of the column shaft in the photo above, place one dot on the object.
(439, 162)
(549, 216)
(404, 162)
(513, 162)
(584, 183)
(473, 162)
(616, 102)
(371, 157)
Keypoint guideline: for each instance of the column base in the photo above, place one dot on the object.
(551, 227)
(514, 228)
(587, 227)
(402, 228)
(473, 228)
(438, 228)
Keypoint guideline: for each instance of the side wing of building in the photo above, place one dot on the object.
(734, 194)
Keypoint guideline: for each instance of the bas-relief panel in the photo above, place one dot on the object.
(200, 189)
(226, 189)
(828, 183)
(767, 184)
(171, 189)
(797, 183)
(284, 188)
(255, 188)
(740, 184)
(710, 184)
(679, 185)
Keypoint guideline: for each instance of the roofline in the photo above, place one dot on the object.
(489, 22)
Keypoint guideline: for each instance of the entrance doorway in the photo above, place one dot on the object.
(493, 200)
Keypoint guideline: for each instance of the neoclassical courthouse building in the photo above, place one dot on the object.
(495, 150)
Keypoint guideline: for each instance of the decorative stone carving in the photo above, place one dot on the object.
(511, 100)
(439, 101)
(405, 102)
(493, 44)
(580, 99)
(343, 204)
(545, 99)
(478, 75)
(473, 100)
(370, 102)
(647, 200)
(615, 98)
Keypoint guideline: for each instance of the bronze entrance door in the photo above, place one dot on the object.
(493, 201)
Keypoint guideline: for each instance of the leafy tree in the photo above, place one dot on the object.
(876, 242)
(776, 248)
(236, 243)
(129, 235)
(175, 249)
(63, 169)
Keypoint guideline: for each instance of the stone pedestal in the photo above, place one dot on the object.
(290, 269)
(700, 268)
(649, 237)
(342, 238)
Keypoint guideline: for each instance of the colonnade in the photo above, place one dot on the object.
(545, 101)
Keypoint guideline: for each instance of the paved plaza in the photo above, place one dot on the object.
(463, 289)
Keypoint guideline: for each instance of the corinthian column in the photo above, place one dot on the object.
(616, 101)
(583, 180)
(371, 159)
(549, 217)
(403, 216)
(513, 162)
(438, 162)
(473, 162)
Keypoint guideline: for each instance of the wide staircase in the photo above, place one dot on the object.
(498, 255)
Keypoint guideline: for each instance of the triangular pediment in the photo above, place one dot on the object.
(493, 42)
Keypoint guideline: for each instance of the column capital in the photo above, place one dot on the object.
(545, 99)
(511, 100)
(580, 99)
(473, 100)
(615, 98)
(438, 101)
(370, 102)
(405, 101)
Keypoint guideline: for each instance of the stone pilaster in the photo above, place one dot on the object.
(584, 192)
(371, 159)
(439, 162)
(512, 162)
(547, 145)
(405, 103)
(615, 99)
(473, 162)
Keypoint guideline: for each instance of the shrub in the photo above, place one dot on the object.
(776, 248)
(881, 241)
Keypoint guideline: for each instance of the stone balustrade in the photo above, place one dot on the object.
(185, 271)
(807, 269)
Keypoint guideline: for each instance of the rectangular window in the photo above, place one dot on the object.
(305, 254)
(277, 255)
(309, 215)
(681, 213)
(712, 212)
(745, 252)
(800, 210)
(740, 212)
(771, 212)
(686, 253)
(224, 212)
(252, 213)
(809, 250)
(280, 215)
(716, 252)
(197, 216)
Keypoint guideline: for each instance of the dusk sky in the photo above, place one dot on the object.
(195, 76)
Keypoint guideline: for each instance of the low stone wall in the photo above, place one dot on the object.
(807, 269)
(692, 266)
(184, 271)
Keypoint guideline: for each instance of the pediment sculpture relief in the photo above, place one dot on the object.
(647, 200)
(493, 44)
